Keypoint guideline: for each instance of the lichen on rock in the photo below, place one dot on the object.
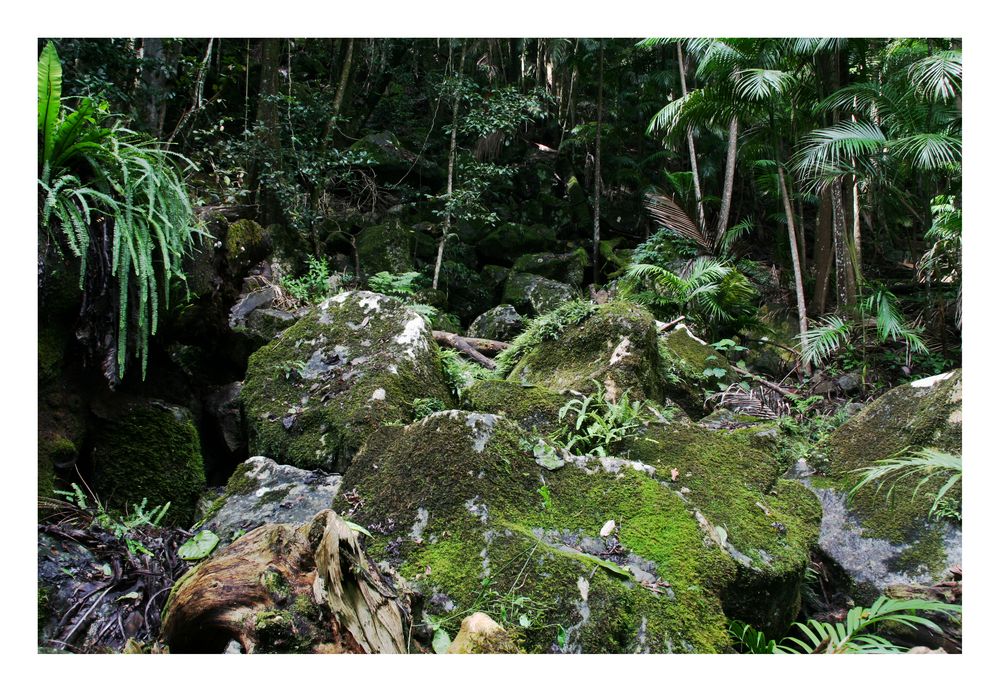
(309, 395)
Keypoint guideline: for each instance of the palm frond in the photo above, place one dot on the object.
(930, 150)
(821, 341)
(927, 464)
(938, 76)
(668, 214)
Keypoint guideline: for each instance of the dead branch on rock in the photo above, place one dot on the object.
(465, 345)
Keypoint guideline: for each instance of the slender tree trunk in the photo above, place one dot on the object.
(824, 250)
(268, 117)
(446, 230)
(856, 226)
(800, 295)
(846, 293)
(153, 80)
(345, 72)
(595, 254)
(691, 149)
(727, 185)
(199, 90)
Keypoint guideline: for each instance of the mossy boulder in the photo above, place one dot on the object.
(513, 239)
(534, 407)
(883, 538)
(353, 363)
(567, 267)
(691, 368)
(536, 294)
(501, 323)
(467, 295)
(150, 451)
(481, 634)
(391, 160)
(247, 242)
(455, 507)
(615, 346)
(388, 247)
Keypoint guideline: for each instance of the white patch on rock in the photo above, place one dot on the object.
(417, 530)
(413, 337)
(621, 351)
(931, 381)
(478, 509)
(482, 426)
(584, 586)
(339, 298)
(370, 302)
(378, 395)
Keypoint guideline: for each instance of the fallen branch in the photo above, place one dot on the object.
(664, 326)
(766, 383)
(464, 345)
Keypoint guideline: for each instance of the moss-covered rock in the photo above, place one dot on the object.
(691, 368)
(567, 267)
(150, 451)
(388, 247)
(353, 363)
(534, 407)
(732, 482)
(247, 242)
(880, 537)
(615, 346)
(467, 516)
(513, 239)
(502, 323)
(536, 294)
(467, 295)
(480, 634)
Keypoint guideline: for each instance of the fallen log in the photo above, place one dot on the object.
(463, 345)
(664, 326)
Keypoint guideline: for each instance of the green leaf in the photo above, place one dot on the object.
(524, 621)
(49, 95)
(612, 567)
(360, 529)
(198, 546)
(441, 641)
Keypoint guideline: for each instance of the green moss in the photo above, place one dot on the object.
(53, 450)
(567, 267)
(273, 496)
(684, 361)
(275, 583)
(584, 352)
(150, 452)
(534, 408)
(927, 552)
(364, 369)
(246, 242)
(388, 247)
(241, 482)
(906, 418)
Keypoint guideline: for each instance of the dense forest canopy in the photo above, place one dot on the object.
(693, 308)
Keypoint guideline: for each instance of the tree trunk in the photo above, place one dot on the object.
(153, 80)
(691, 149)
(727, 186)
(595, 253)
(800, 296)
(345, 71)
(823, 255)
(846, 290)
(451, 176)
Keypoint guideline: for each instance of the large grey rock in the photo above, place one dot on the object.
(501, 323)
(264, 492)
(536, 294)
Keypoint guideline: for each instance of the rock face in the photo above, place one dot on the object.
(616, 346)
(536, 294)
(354, 362)
(263, 492)
(884, 538)
(454, 504)
(388, 248)
(691, 368)
(534, 407)
(501, 323)
(150, 451)
(511, 239)
(567, 267)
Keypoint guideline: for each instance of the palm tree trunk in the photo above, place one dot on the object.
(824, 251)
(595, 253)
(800, 295)
(446, 230)
(846, 290)
(691, 149)
(727, 186)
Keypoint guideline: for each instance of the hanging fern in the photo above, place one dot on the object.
(90, 172)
